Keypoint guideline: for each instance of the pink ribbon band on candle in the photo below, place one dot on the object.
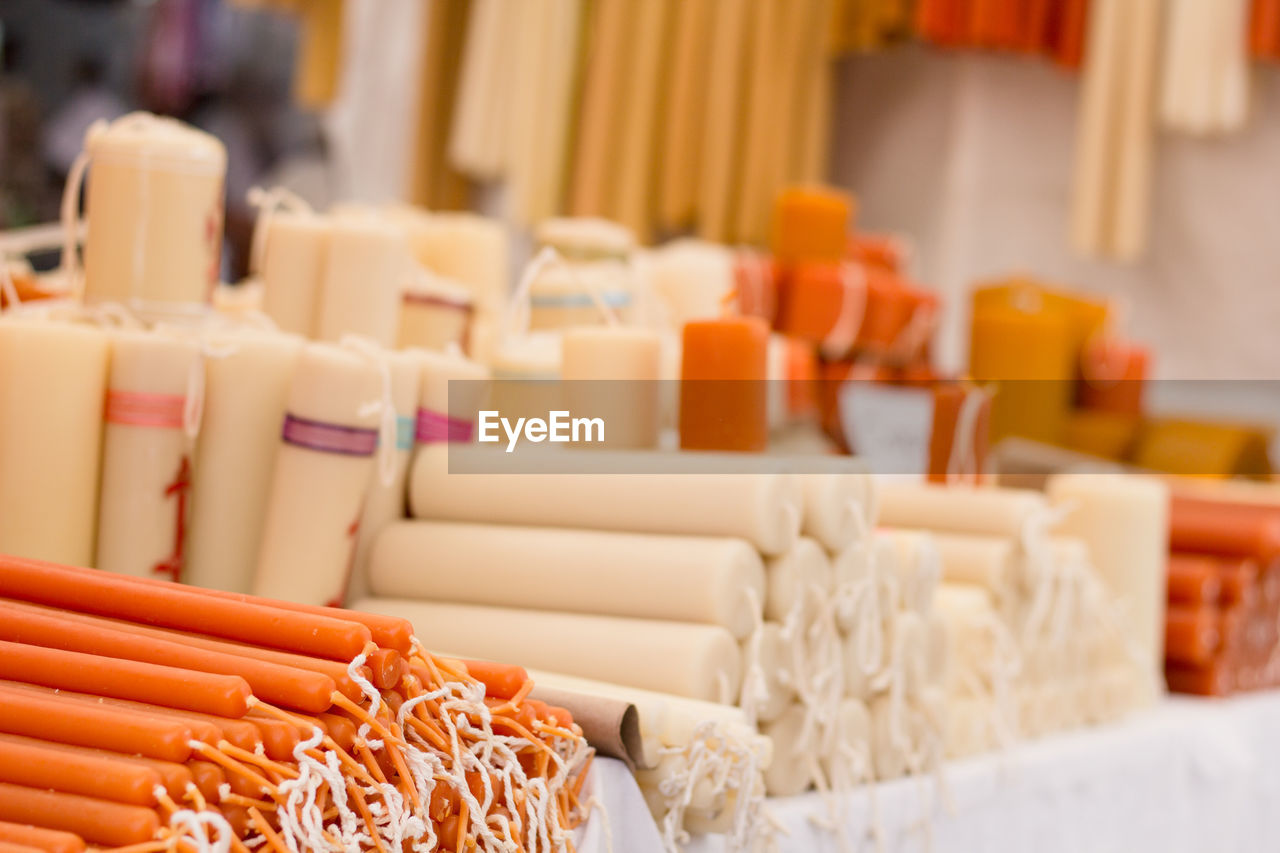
(138, 408)
(329, 438)
(436, 426)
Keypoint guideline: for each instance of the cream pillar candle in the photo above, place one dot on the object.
(322, 470)
(952, 509)
(146, 455)
(525, 369)
(1125, 521)
(855, 585)
(695, 661)
(386, 500)
(466, 248)
(795, 757)
(761, 508)
(154, 207)
(52, 382)
(434, 313)
(774, 661)
(366, 266)
(840, 507)
(294, 249)
(246, 383)
(612, 372)
(453, 391)
(680, 578)
(800, 580)
(846, 762)
(919, 567)
(691, 280)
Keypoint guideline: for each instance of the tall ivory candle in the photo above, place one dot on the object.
(761, 508)
(386, 501)
(799, 580)
(612, 372)
(796, 756)
(840, 507)
(53, 378)
(715, 581)
(295, 246)
(146, 455)
(246, 387)
(322, 469)
(774, 660)
(1125, 521)
(990, 511)
(695, 661)
(919, 567)
(366, 267)
(453, 391)
(154, 208)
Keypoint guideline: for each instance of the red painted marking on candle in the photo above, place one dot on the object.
(178, 489)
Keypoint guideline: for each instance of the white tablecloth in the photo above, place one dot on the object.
(1190, 775)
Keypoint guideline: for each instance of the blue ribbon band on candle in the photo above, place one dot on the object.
(406, 431)
(437, 426)
(329, 438)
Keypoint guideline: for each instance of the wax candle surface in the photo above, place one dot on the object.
(466, 248)
(723, 393)
(434, 313)
(322, 472)
(453, 391)
(366, 267)
(52, 385)
(691, 278)
(612, 372)
(679, 578)
(295, 247)
(811, 224)
(146, 455)
(154, 207)
(246, 387)
(1033, 355)
(799, 580)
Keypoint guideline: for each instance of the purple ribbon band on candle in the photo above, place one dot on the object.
(329, 438)
(436, 426)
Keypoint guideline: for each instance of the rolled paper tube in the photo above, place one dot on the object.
(839, 507)
(52, 381)
(611, 373)
(100, 727)
(295, 246)
(1227, 530)
(550, 569)
(763, 509)
(333, 669)
(146, 455)
(222, 695)
(611, 726)
(171, 606)
(796, 758)
(723, 392)
(843, 764)
(697, 661)
(434, 314)
(173, 777)
(951, 509)
(1124, 519)
(154, 202)
(811, 224)
(321, 475)
(775, 665)
(919, 567)
(366, 265)
(1193, 580)
(31, 764)
(385, 500)
(1192, 634)
(1216, 678)
(271, 682)
(49, 840)
(96, 821)
(802, 579)
(245, 390)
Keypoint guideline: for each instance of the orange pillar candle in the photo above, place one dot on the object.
(723, 395)
(1031, 355)
(811, 224)
(1114, 374)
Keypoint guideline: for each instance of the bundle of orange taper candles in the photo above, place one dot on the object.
(1224, 597)
(143, 715)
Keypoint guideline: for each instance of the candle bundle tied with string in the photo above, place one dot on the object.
(141, 715)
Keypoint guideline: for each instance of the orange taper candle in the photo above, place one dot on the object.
(96, 821)
(100, 727)
(48, 840)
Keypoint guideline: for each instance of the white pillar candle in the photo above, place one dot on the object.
(434, 313)
(839, 507)
(154, 207)
(322, 471)
(761, 508)
(695, 661)
(146, 455)
(801, 579)
(453, 391)
(691, 279)
(52, 383)
(467, 248)
(1125, 521)
(365, 268)
(386, 499)
(294, 249)
(680, 578)
(612, 372)
(774, 662)
(246, 387)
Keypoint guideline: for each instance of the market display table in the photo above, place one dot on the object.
(1190, 775)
